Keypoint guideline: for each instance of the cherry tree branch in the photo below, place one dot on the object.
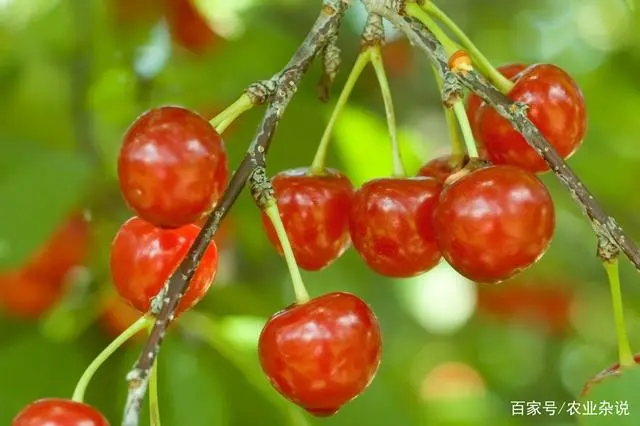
(278, 92)
(611, 237)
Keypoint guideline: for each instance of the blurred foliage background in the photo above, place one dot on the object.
(75, 74)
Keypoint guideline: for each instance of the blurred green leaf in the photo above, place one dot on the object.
(232, 343)
(33, 367)
(621, 392)
(113, 96)
(189, 389)
(39, 190)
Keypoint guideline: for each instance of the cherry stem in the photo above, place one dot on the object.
(378, 66)
(142, 323)
(317, 167)
(231, 113)
(624, 348)
(501, 82)
(465, 128)
(154, 406)
(457, 146)
(271, 210)
(416, 11)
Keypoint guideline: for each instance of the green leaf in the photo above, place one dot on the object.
(236, 339)
(363, 143)
(190, 391)
(619, 392)
(33, 367)
(38, 188)
(631, 5)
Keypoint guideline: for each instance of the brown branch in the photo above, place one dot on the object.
(279, 91)
(606, 228)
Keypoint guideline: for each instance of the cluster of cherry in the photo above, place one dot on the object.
(489, 219)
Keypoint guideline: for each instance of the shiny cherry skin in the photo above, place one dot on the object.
(323, 353)
(172, 166)
(143, 257)
(556, 107)
(59, 412)
(440, 168)
(474, 101)
(606, 374)
(315, 212)
(188, 27)
(391, 225)
(494, 222)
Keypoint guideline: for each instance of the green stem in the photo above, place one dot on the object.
(502, 83)
(154, 406)
(363, 59)
(231, 113)
(457, 146)
(271, 210)
(624, 348)
(220, 128)
(142, 323)
(465, 128)
(415, 10)
(378, 65)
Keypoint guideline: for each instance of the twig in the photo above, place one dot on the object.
(279, 91)
(605, 226)
(331, 62)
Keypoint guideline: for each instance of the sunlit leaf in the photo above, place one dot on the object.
(363, 143)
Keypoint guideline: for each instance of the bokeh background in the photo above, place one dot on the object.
(75, 73)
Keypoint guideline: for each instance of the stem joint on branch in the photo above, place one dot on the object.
(373, 32)
(331, 61)
(260, 186)
(261, 91)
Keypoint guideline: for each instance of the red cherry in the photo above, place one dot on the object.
(605, 374)
(391, 225)
(494, 222)
(323, 353)
(26, 296)
(144, 256)
(440, 168)
(398, 57)
(188, 27)
(315, 213)
(172, 166)
(474, 101)
(556, 107)
(541, 304)
(67, 248)
(35, 287)
(59, 412)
